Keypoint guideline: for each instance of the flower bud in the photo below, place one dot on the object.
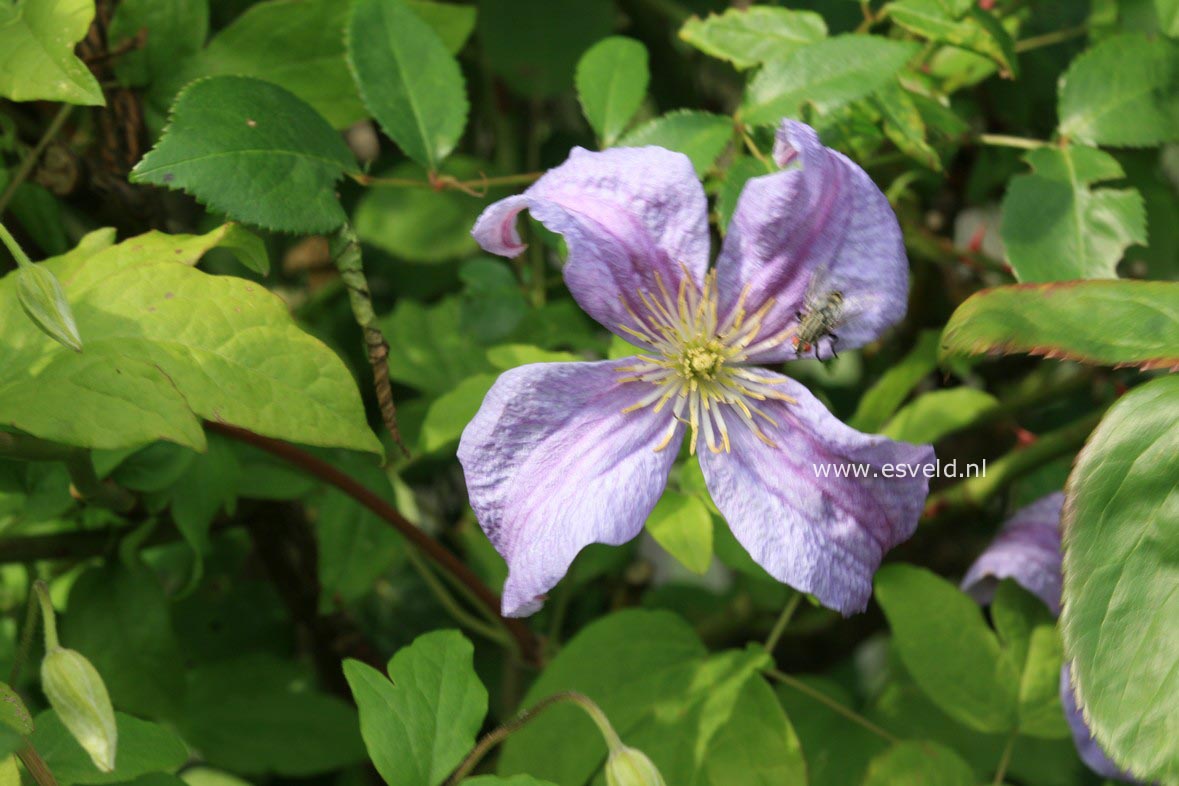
(630, 767)
(76, 691)
(44, 301)
(13, 712)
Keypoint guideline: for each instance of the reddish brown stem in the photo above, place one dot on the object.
(521, 633)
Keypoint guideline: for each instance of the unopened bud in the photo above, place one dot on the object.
(78, 694)
(44, 301)
(630, 767)
(13, 712)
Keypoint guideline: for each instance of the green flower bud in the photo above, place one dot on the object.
(44, 301)
(630, 767)
(13, 712)
(76, 691)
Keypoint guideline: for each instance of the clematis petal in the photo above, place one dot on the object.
(1087, 747)
(812, 509)
(634, 219)
(1027, 550)
(822, 220)
(553, 464)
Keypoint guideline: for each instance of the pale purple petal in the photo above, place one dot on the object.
(553, 464)
(1027, 550)
(822, 220)
(1087, 747)
(822, 535)
(628, 215)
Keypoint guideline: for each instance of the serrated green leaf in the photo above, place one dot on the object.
(904, 125)
(827, 74)
(432, 679)
(1122, 92)
(37, 61)
(168, 344)
(701, 136)
(1074, 321)
(937, 414)
(1121, 587)
(176, 29)
(143, 747)
(750, 36)
(977, 31)
(700, 718)
(947, 647)
(611, 81)
(252, 151)
(1055, 227)
(918, 763)
(295, 44)
(682, 525)
(410, 83)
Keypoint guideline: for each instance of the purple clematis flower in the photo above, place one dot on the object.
(1027, 551)
(562, 455)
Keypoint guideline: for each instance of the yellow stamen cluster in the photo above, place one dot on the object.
(697, 370)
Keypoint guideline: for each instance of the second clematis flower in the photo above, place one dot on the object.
(562, 455)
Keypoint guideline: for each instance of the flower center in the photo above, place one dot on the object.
(698, 371)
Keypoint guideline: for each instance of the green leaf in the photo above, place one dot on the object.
(1121, 587)
(535, 44)
(449, 414)
(937, 414)
(882, 399)
(208, 486)
(176, 29)
(945, 644)
(701, 136)
(119, 619)
(1028, 631)
(143, 747)
(700, 718)
(837, 752)
(507, 356)
(37, 61)
(682, 525)
(737, 174)
(1056, 228)
(1075, 321)
(750, 36)
(168, 344)
(453, 23)
(919, 763)
(433, 680)
(904, 125)
(977, 31)
(1167, 12)
(433, 353)
(493, 305)
(611, 80)
(254, 714)
(1122, 92)
(420, 224)
(295, 44)
(252, 151)
(828, 74)
(407, 78)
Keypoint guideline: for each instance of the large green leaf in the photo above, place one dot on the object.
(432, 350)
(612, 79)
(1110, 323)
(1122, 92)
(937, 414)
(143, 747)
(750, 36)
(119, 619)
(977, 31)
(1056, 227)
(700, 718)
(418, 727)
(701, 136)
(252, 151)
(1121, 580)
(827, 74)
(407, 78)
(37, 59)
(945, 644)
(168, 344)
(919, 763)
(295, 44)
(255, 714)
(682, 525)
(175, 29)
